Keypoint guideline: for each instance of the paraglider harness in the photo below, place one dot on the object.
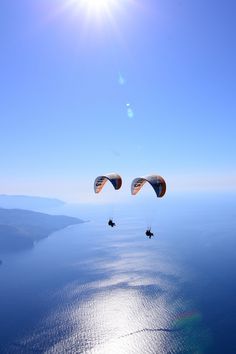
(149, 233)
(111, 223)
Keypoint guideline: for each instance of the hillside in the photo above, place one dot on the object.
(19, 229)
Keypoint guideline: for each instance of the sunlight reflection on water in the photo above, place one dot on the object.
(129, 306)
(107, 322)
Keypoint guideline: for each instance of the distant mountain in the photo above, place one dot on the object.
(19, 229)
(29, 202)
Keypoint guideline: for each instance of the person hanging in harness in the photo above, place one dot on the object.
(149, 233)
(111, 223)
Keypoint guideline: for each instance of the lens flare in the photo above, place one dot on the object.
(121, 80)
(130, 112)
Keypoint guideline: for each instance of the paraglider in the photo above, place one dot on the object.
(158, 184)
(100, 181)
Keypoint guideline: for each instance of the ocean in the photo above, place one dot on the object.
(94, 289)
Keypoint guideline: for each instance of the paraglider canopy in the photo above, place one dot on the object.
(100, 181)
(157, 182)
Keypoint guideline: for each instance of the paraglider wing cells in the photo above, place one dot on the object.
(100, 181)
(137, 185)
(157, 183)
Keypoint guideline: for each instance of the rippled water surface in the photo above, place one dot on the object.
(93, 289)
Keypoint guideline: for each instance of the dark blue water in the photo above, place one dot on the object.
(93, 289)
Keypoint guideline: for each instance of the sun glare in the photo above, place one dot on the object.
(97, 7)
(98, 12)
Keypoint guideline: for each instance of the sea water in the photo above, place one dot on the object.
(94, 289)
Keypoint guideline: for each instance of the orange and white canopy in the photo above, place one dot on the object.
(100, 181)
(157, 182)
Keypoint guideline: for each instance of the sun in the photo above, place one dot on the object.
(90, 15)
(95, 13)
(97, 7)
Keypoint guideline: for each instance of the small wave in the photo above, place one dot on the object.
(151, 330)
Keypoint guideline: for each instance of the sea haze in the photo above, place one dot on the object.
(93, 289)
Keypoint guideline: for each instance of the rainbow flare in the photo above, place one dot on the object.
(187, 319)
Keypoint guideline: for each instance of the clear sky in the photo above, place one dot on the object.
(129, 86)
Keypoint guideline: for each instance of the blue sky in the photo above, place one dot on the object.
(64, 104)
